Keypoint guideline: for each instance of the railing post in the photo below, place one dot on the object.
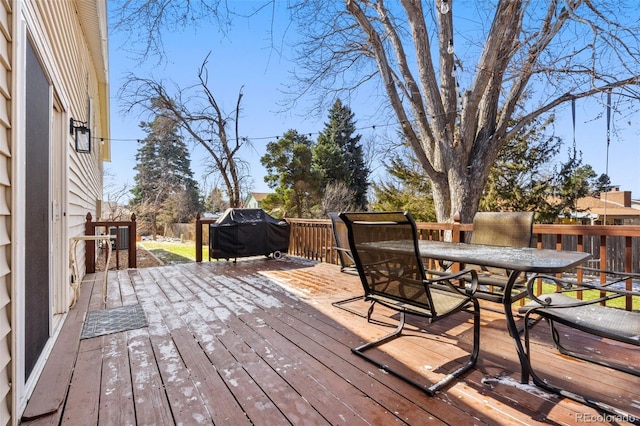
(198, 238)
(133, 259)
(117, 243)
(89, 247)
(628, 263)
(455, 229)
(603, 258)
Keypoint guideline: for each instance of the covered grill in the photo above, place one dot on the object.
(247, 232)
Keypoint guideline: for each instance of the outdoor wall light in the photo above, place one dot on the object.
(82, 135)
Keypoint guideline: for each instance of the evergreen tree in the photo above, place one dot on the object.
(522, 177)
(338, 154)
(290, 173)
(215, 201)
(164, 185)
(601, 185)
(407, 189)
(574, 181)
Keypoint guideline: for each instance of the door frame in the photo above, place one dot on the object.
(57, 238)
(59, 255)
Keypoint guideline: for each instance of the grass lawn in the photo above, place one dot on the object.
(174, 251)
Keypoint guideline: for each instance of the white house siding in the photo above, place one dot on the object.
(5, 214)
(70, 39)
(79, 75)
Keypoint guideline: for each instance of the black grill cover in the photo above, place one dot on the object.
(247, 232)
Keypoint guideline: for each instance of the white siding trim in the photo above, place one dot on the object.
(18, 214)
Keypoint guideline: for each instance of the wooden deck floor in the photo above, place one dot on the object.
(258, 342)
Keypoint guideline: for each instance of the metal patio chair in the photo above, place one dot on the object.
(347, 264)
(588, 316)
(509, 229)
(395, 278)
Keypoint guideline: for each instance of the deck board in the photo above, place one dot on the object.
(54, 381)
(84, 391)
(116, 393)
(258, 342)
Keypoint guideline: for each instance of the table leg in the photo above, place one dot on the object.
(513, 328)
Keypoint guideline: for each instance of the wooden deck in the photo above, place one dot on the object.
(258, 342)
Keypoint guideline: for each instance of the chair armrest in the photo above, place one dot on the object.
(468, 290)
(570, 286)
(623, 275)
(613, 277)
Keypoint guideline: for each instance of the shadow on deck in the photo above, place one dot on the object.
(258, 342)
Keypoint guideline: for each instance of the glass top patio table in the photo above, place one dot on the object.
(512, 258)
(515, 260)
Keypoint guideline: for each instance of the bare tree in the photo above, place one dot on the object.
(114, 209)
(145, 21)
(455, 107)
(454, 85)
(147, 212)
(338, 197)
(197, 112)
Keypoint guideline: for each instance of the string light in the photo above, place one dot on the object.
(247, 138)
(444, 7)
(450, 47)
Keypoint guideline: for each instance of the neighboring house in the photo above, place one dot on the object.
(53, 75)
(616, 206)
(254, 200)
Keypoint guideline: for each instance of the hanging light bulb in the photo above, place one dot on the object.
(450, 47)
(453, 72)
(444, 7)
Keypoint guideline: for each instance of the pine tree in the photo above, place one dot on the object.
(338, 154)
(522, 176)
(290, 173)
(574, 180)
(406, 188)
(164, 185)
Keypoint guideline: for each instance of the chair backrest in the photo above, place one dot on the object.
(341, 239)
(509, 229)
(384, 246)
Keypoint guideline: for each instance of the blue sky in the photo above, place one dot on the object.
(244, 58)
(241, 60)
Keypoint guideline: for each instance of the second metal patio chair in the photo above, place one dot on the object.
(385, 250)
(510, 229)
(591, 316)
(347, 264)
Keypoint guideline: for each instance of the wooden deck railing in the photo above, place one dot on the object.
(199, 232)
(612, 247)
(90, 247)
